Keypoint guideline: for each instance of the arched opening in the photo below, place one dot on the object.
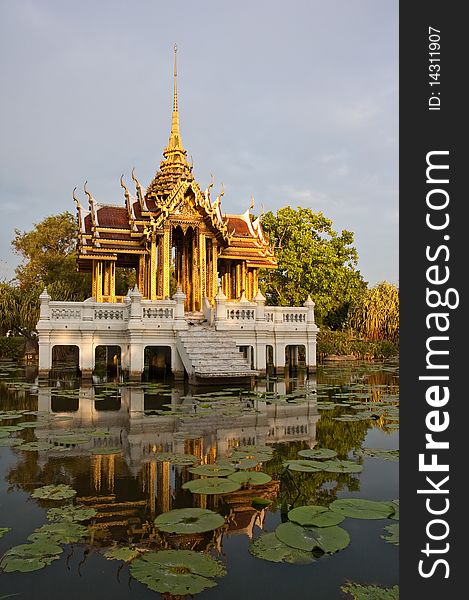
(157, 360)
(269, 359)
(61, 404)
(107, 360)
(248, 353)
(65, 360)
(295, 357)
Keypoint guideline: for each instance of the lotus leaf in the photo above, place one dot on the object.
(177, 572)
(65, 532)
(30, 557)
(392, 455)
(342, 466)
(36, 446)
(328, 539)
(250, 478)
(74, 440)
(393, 538)
(211, 485)
(71, 513)
(268, 547)
(176, 459)
(240, 463)
(189, 520)
(124, 553)
(28, 424)
(370, 592)
(9, 442)
(327, 519)
(254, 450)
(359, 508)
(4, 434)
(54, 492)
(106, 451)
(260, 503)
(318, 453)
(395, 514)
(212, 470)
(304, 466)
(4, 530)
(98, 433)
(302, 515)
(259, 457)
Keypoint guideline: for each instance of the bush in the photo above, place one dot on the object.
(12, 347)
(346, 343)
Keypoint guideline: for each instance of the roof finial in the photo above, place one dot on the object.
(175, 138)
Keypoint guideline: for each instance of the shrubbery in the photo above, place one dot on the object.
(346, 343)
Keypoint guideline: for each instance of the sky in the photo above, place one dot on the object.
(292, 103)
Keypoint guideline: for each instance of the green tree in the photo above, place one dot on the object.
(314, 260)
(49, 258)
(376, 315)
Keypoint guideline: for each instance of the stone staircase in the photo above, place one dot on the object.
(208, 354)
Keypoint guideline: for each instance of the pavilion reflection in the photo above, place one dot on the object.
(117, 472)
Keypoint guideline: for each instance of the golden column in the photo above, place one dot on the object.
(166, 259)
(214, 269)
(141, 275)
(202, 269)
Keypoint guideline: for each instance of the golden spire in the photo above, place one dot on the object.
(175, 137)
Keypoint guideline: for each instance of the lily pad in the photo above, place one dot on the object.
(189, 520)
(30, 557)
(395, 514)
(393, 537)
(176, 459)
(9, 442)
(211, 485)
(65, 532)
(177, 572)
(71, 513)
(302, 515)
(304, 466)
(317, 453)
(342, 466)
(124, 553)
(4, 530)
(359, 508)
(104, 451)
(250, 477)
(36, 446)
(260, 503)
(212, 470)
(392, 455)
(268, 547)
(54, 492)
(327, 539)
(370, 592)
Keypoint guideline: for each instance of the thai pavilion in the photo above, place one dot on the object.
(196, 293)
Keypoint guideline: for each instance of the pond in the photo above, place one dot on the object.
(86, 469)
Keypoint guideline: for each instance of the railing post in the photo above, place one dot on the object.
(180, 298)
(44, 310)
(220, 306)
(309, 304)
(259, 299)
(135, 304)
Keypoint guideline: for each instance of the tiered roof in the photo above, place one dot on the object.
(106, 231)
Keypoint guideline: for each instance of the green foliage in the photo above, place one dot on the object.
(49, 258)
(376, 315)
(12, 347)
(346, 343)
(313, 259)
